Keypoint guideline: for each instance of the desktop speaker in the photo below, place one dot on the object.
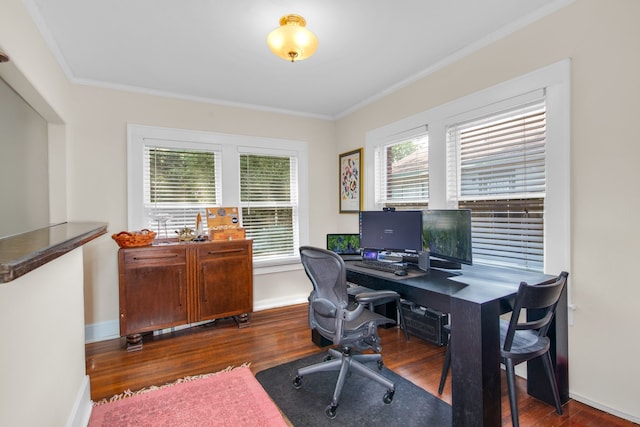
(423, 260)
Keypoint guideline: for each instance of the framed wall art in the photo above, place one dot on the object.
(350, 166)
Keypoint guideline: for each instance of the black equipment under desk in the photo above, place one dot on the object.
(476, 296)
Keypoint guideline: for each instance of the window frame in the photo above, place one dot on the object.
(292, 203)
(231, 146)
(189, 209)
(491, 224)
(381, 183)
(554, 80)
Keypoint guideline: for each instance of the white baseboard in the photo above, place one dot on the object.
(111, 329)
(604, 408)
(281, 302)
(101, 331)
(82, 406)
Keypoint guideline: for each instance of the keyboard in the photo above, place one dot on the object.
(389, 267)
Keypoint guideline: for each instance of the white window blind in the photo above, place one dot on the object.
(174, 174)
(500, 161)
(178, 184)
(269, 201)
(402, 170)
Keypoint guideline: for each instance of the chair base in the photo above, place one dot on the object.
(345, 362)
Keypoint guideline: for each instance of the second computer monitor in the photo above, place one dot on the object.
(446, 234)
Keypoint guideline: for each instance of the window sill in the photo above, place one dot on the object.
(281, 266)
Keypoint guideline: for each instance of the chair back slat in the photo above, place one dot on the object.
(542, 297)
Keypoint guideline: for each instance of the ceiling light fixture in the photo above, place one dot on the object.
(292, 41)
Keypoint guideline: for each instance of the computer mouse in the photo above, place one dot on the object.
(400, 272)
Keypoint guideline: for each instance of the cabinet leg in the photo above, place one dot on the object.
(242, 320)
(134, 342)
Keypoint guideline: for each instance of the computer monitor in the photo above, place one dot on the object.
(446, 233)
(398, 231)
(344, 244)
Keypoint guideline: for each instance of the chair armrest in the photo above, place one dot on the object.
(348, 315)
(324, 307)
(376, 297)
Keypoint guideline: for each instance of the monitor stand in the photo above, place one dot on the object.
(444, 264)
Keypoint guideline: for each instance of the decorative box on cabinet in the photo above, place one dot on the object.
(175, 284)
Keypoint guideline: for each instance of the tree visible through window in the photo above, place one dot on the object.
(402, 173)
(179, 184)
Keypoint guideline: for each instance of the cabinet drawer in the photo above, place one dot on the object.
(139, 257)
(224, 250)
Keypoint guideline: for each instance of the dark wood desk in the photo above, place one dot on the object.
(476, 296)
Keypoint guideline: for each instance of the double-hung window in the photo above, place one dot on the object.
(268, 197)
(500, 165)
(179, 184)
(174, 175)
(402, 170)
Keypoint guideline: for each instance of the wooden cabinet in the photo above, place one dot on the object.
(182, 283)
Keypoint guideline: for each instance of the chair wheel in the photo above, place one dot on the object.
(330, 411)
(388, 396)
(297, 382)
(380, 365)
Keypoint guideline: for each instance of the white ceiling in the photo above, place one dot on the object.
(216, 51)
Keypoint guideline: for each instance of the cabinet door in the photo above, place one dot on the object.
(153, 289)
(225, 279)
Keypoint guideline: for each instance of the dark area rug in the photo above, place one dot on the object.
(361, 401)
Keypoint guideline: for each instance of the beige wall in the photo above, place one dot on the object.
(602, 39)
(42, 362)
(97, 149)
(24, 171)
(42, 313)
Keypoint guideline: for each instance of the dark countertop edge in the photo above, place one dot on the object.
(77, 234)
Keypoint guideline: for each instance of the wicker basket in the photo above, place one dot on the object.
(133, 239)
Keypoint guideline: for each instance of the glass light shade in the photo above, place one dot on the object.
(292, 41)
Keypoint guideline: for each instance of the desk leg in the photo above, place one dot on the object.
(389, 310)
(475, 363)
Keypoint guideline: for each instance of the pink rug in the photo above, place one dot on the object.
(229, 398)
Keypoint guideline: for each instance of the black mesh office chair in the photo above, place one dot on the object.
(351, 327)
(526, 340)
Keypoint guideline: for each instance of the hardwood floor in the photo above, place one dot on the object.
(281, 335)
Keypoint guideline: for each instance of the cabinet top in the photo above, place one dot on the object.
(173, 243)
